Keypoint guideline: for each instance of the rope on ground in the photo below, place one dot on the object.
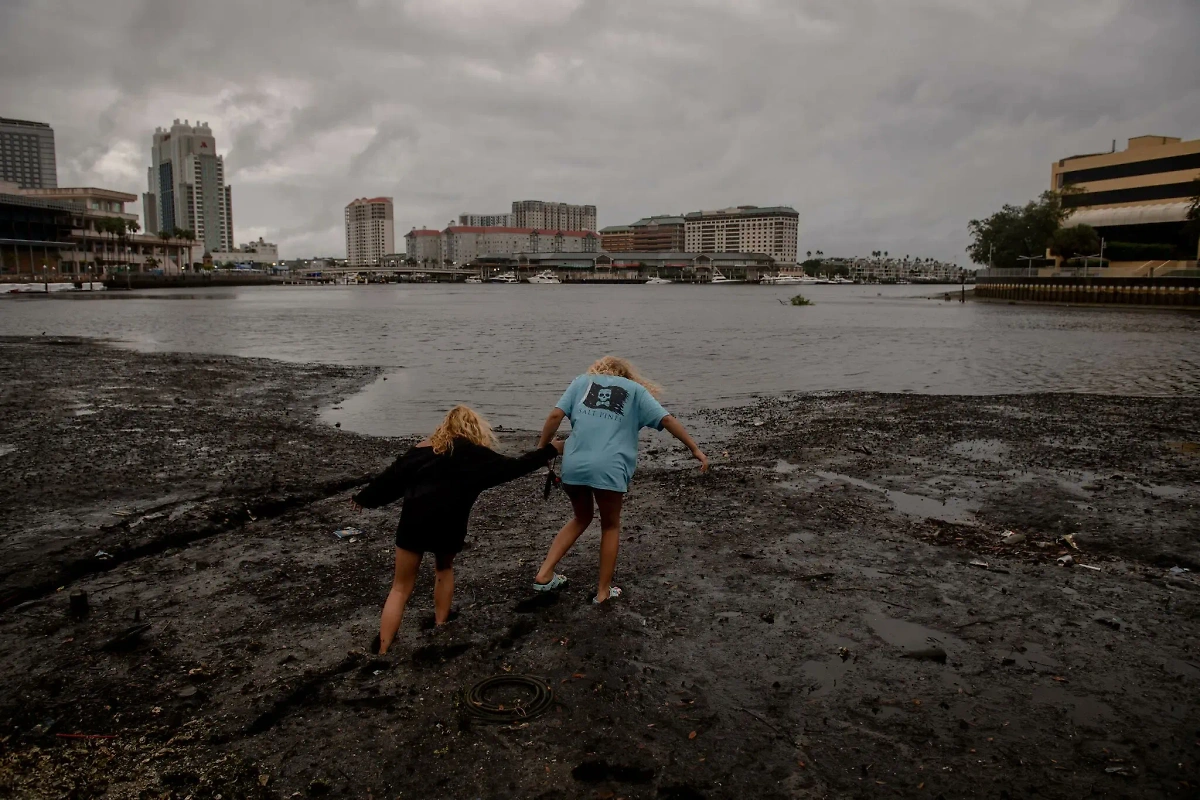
(478, 707)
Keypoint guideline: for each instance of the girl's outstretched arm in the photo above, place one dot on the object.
(551, 427)
(676, 429)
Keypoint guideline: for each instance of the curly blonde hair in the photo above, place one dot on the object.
(622, 368)
(462, 422)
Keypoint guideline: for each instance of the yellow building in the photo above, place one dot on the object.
(1138, 196)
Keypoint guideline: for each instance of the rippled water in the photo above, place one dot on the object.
(510, 350)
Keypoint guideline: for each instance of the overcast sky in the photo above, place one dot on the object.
(887, 124)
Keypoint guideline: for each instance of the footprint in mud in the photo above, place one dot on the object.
(536, 603)
(432, 654)
(519, 630)
(599, 770)
(679, 792)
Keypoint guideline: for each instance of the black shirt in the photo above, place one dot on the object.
(439, 490)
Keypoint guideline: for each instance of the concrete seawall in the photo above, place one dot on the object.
(1158, 292)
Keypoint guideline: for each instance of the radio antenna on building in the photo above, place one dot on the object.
(1114, 146)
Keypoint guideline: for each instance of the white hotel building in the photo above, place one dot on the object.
(744, 229)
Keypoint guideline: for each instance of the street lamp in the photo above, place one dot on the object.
(1029, 264)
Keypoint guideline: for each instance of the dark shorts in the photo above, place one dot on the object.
(444, 547)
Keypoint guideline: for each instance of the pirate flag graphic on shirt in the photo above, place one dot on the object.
(606, 398)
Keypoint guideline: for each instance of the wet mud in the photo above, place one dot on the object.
(865, 598)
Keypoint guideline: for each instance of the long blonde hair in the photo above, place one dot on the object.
(462, 422)
(622, 368)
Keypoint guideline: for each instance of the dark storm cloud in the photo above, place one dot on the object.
(886, 123)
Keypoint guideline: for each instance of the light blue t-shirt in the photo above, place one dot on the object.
(606, 414)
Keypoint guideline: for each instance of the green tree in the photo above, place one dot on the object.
(1077, 240)
(1015, 231)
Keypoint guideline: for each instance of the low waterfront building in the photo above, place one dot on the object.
(86, 245)
(259, 252)
(617, 239)
(648, 235)
(629, 267)
(544, 215)
(488, 220)
(27, 156)
(771, 230)
(461, 244)
(1136, 199)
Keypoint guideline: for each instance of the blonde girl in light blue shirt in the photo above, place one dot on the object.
(608, 406)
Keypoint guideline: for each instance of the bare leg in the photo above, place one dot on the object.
(610, 538)
(581, 502)
(402, 587)
(443, 588)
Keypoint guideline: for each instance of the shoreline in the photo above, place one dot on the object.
(782, 609)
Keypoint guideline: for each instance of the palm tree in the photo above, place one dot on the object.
(809, 254)
(131, 227)
(112, 227)
(166, 237)
(189, 237)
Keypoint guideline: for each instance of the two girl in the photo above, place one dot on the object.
(441, 478)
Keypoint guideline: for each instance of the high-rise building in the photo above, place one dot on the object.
(553, 216)
(370, 233)
(186, 186)
(487, 220)
(647, 235)
(27, 154)
(744, 229)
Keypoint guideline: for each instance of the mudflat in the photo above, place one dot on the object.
(866, 597)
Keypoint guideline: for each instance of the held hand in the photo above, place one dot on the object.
(355, 507)
(559, 444)
(703, 459)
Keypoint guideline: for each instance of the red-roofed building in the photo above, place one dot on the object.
(423, 246)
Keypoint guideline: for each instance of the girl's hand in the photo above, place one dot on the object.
(703, 459)
(559, 444)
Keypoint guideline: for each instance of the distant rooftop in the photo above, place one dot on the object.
(30, 123)
(743, 211)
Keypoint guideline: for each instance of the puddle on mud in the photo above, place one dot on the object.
(1184, 669)
(784, 467)
(823, 677)
(5, 449)
(909, 635)
(1031, 657)
(1084, 711)
(950, 509)
(992, 450)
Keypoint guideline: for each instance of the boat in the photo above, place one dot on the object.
(474, 279)
(507, 277)
(840, 279)
(545, 276)
(658, 281)
(717, 277)
(786, 280)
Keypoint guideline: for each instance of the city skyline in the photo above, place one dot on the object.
(945, 112)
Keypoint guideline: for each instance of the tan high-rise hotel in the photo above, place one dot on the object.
(370, 232)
